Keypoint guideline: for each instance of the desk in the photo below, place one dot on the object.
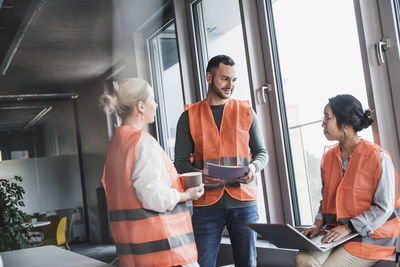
(37, 236)
(40, 223)
(48, 256)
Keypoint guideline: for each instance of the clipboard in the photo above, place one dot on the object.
(228, 173)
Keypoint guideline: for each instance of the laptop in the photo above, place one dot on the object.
(287, 236)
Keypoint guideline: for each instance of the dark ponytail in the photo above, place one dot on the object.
(348, 111)
(367, 120)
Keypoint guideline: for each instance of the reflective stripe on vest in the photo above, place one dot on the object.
(155, 246)
(348, 196)
(228, 146)
(385, 242)
(140, 214)
(331, 218)
(143, 237)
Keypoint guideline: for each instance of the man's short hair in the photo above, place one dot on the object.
(215, 61)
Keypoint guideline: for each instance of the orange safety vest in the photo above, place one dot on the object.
(143, 237)
(348, 196)
(228, 146)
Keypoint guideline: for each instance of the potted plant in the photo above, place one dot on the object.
(14, 223)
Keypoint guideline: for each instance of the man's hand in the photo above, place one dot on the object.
(211, 181)
(251, 174)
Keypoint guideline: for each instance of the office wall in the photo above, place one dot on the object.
(56, 134)
(50, 183)
(16, 140)
(26, 168)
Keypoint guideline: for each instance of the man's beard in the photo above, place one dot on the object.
(217, 91)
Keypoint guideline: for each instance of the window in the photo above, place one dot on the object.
(19, 154)
(219, 31)
(397, 10)
(387, 46)
(313, 62)
(167, 83)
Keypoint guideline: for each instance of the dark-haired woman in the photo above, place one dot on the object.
(359, 192)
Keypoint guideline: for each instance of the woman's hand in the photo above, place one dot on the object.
(251, 174)
(313, 230)
(192, 193)
(336, 233)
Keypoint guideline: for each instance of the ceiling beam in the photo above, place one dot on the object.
(23, 107)
(32, 10)
(38, 97)
(37, 118)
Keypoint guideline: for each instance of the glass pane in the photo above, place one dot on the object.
(168, 86)
(319, 57)
(20, 154)
(397, 10)
(222, 35)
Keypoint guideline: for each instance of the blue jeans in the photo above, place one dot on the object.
(208, 224)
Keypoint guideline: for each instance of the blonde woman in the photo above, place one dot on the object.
(150, 223)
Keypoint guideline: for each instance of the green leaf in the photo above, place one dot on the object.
(13, 227)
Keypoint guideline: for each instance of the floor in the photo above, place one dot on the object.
(106, 253)
(102, 252)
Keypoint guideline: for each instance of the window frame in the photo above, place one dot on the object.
(202, 89)
(155, 66)
(389, 13)
(200, 33)
(286, 178)
(378, 78)
(256, 26)
(142, 50)
(4, 153)
(283, 116)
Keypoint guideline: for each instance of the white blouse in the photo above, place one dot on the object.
(150, 177)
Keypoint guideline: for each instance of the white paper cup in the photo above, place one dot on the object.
(191, 179)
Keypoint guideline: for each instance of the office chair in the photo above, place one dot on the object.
(61, 241)
(71, 220)
(50, 231)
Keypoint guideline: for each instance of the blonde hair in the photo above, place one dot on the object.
(125, 96)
